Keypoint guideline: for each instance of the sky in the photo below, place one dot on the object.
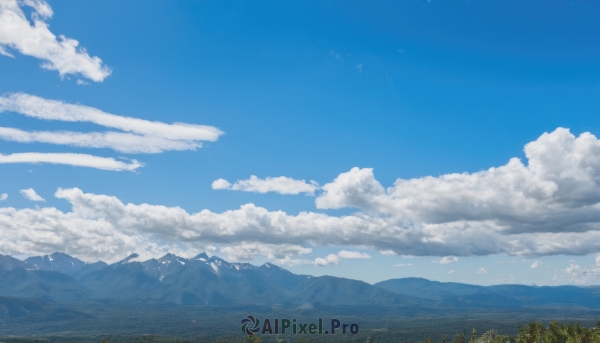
(450, 140)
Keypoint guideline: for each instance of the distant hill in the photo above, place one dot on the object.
(9, 263)
(499, 296)
(212, 281)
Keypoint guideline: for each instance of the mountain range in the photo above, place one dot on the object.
(212, 281)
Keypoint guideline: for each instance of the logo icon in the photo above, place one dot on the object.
(250, 325)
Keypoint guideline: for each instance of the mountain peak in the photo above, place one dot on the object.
(129, 259)
(201, 257)
(168, 258)
(56, 262)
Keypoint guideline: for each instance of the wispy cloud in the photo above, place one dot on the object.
(352, 254)
(35, 39)
(77, 160)
(140, 136)
(281, 185)
(118, 141)
(40, 108)
(31, 194)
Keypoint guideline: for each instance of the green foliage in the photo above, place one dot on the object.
(535, 332)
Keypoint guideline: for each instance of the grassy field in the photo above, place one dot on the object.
(203, 325)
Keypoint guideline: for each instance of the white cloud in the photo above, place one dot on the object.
(335, 259)
(537, 264)
(448, 260)
(573, 270)
(40, 108)
(142, 136)
(276, 252)
(77, 160)
(3, 196)
(330, 260)
(482, 271)
(102, 226)
(359, 67)
(583, 275)
(35, 39)
(281, 185)
(451, 272)
(557, 193)
(290, 262)
(221, 184)
(547, 207)
(403, 265)
(119, 141)
(352, 254)
(388, 253)
(356, 188)
(30, 194)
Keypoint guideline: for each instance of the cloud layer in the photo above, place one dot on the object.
(35, 39)
(548, 206)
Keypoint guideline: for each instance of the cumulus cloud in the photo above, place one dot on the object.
(221, 184)
(549, 206)
(31, 194)
(481, 271)
(3, 196)
(536, 264)
(330, 260)
(281, 185)
(557, 191)
(76, 160)
(447, 260)
(35, 39)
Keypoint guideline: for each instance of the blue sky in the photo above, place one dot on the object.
(308, 91)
